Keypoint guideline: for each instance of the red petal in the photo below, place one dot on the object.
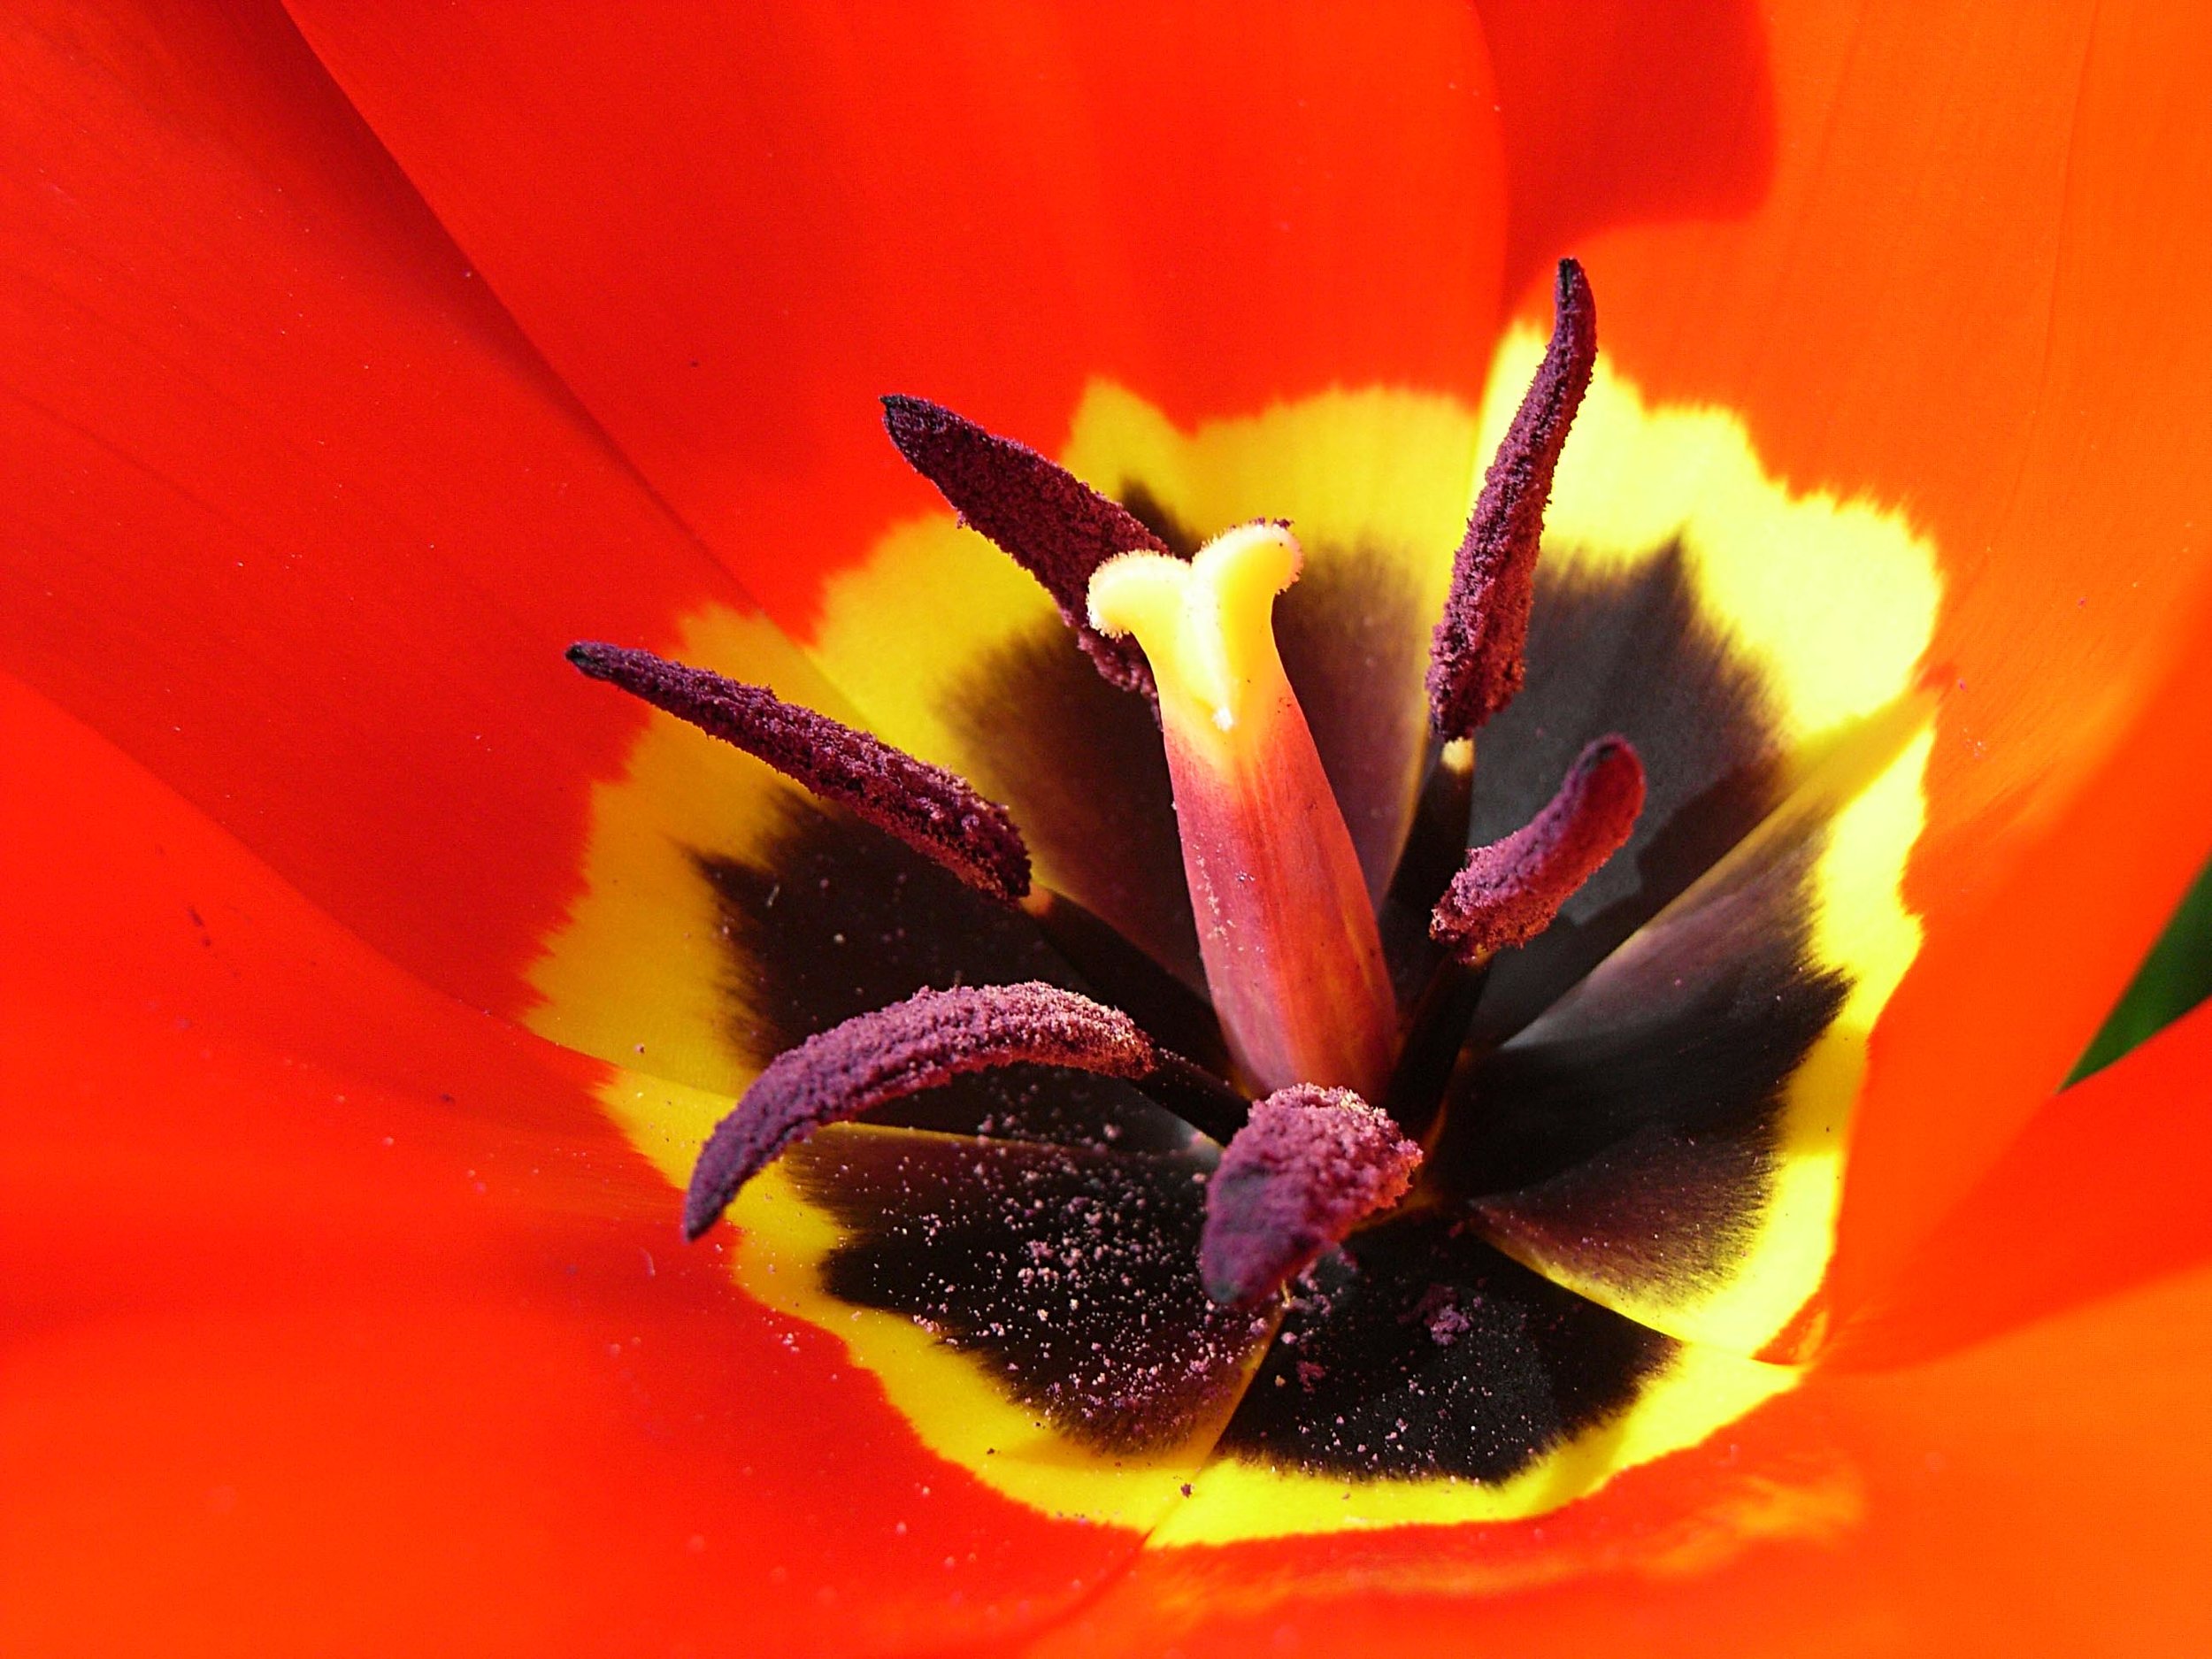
(1626, 111)
(295, 514)
(730, 230)
(340, 1315)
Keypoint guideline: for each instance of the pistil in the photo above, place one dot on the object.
(1293, 956)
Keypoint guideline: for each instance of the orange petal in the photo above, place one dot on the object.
(2043, 1494)
(1969, 291)
(2011, 984)
(730, 230)
(341, 1313)
(296, 514)
(2102, 1191)
(1961, 293)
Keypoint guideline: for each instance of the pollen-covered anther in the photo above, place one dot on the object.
(875, 1058)
(1048, 520)
(1477, 660)
(936, 812)
(1509, 892)
(1293, 956)
(1309, 1165)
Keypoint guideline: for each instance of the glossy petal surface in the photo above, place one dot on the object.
(2102, 1192)
(1940, 1506)
(331, 1336)
(1963, 292)
(301, 520)
(987, 205)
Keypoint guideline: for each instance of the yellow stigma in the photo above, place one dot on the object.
(1207, 627)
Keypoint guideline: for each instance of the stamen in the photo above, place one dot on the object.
(1435, 843)
(1310, 1165)
(1288, 933)
(1124, 975)
(1508, 893)
(936, 812)
(875, 1058)
(1436, 995)
(1477, 660)
(1048, 520)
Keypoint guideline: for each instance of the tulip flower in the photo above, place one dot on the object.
(1731, 1273)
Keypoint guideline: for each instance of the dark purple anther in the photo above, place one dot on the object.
(1476, 661)
(1048, 520)
(1508, 893)
(936, 812)
(873, 1059)
(1309, 1165)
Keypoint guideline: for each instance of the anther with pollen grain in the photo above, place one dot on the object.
(1508, 893)
(1048, 520)
(936, 812)
(1477, 660)
(933, 1037)
(1310, 1165)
